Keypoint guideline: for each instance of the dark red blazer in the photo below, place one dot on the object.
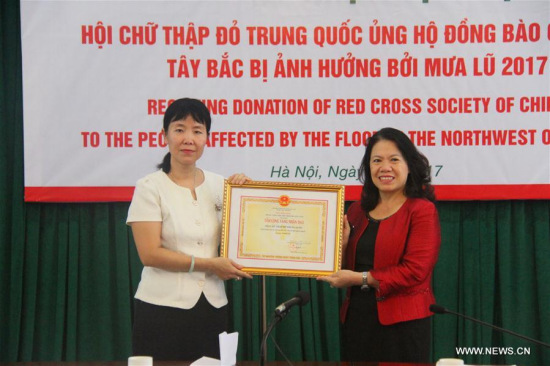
(406, 250)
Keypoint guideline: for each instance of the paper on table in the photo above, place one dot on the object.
(228, 352)
(228, 348)
(450, 362)
(206, 361)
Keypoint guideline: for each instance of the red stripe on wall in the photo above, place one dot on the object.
(353, 193)
(477, 192)
(78, 194)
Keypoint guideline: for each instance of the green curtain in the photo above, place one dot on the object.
(494, 265)
(68, 271)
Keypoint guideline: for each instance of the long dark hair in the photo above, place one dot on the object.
(418, 181)
(181, 109)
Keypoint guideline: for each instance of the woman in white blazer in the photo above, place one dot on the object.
(175, 216)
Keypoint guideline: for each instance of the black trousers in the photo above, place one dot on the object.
(172, 334)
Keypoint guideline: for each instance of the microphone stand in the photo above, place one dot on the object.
(445, 310)
(276, 319)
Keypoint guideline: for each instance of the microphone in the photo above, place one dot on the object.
(438, 309)
(300, 298)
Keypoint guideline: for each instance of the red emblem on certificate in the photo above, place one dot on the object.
(284, 200)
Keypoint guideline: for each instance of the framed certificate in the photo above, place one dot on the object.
(283, 229)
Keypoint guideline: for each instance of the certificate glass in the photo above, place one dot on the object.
(283, 229)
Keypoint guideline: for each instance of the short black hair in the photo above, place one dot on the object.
(178, 110)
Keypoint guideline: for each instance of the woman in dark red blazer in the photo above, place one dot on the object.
(391, 244)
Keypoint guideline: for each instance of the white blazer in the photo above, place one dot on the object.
(188, 226)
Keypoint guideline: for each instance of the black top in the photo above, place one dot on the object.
(364, 254)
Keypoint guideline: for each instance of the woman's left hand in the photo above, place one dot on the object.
(343, 278)
(238, 178)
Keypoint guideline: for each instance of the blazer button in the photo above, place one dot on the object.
(200, 243)
(198, 222)
(201, 283)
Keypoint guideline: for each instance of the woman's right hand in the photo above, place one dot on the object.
(342, 278)
(226, 269)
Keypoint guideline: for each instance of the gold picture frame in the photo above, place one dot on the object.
(283, 229)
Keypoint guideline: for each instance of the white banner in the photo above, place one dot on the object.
(294, 88)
